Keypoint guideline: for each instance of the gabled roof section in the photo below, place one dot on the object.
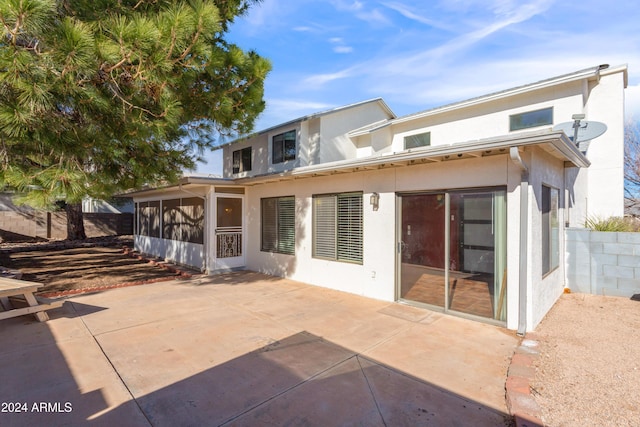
(592, 73)
(379, 101)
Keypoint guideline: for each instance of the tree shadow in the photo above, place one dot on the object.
(304, 379)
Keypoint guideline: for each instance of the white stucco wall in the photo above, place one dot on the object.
(182, 253)
(606, 174)
(544, 289)
(491, 119)
(376, 277)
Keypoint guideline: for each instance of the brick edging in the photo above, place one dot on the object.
(180, 274)
(521, 404)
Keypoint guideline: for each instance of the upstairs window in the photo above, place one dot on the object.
(284, 147)
(531, 119)
(419, 140)
(242, 160)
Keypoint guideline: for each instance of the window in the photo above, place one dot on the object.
(531, 119)
(149, 219)
(183, 219)
(284, 147)
(337, 227)
(550, 229)
(278, 225)
(242, 160)
(419, 140)
(192, 219)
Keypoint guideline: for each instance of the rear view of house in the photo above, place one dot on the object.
(460, 209)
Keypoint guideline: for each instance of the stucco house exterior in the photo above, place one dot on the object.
(460, 209)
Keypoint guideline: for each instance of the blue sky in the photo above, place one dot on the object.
(419, 55)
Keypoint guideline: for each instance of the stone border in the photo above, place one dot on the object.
(180, 275)
(521, 404)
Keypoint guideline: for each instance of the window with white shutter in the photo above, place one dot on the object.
(337, 227)
(278, 225)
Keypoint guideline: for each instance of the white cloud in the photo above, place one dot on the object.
(283, 110)
(343, 49)
(409, 13)
(318, 80)
(632, 102)
(374, 17)
(349, 6)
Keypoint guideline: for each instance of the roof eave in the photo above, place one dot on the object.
(555, 142)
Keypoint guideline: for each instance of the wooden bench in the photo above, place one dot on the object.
(17, 299)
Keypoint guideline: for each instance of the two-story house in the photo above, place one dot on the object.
(460, 209)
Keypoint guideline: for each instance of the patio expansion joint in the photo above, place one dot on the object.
(115, 371)
(294, 386)
(410, 325)
(373, 395)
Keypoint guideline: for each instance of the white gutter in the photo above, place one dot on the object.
(557, 139)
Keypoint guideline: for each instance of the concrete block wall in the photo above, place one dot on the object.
(603, 263)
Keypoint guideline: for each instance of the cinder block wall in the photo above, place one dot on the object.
(603, 263)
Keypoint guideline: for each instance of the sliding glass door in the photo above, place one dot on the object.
(453, 251)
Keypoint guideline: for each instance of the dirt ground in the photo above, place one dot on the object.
(588, 371)
(89, 266)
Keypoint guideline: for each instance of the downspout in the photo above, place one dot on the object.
(524, 226)
(205, 254)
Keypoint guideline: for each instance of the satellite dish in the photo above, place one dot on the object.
(586, 130)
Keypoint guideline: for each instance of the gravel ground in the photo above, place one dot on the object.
(588, 371)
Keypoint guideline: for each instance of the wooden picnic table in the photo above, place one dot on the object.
(17, 299)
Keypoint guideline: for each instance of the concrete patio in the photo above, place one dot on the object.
(249, 349)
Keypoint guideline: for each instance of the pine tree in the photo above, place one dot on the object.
(101, 96)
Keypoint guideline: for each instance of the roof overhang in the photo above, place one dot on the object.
(194, 185)
(556, 143)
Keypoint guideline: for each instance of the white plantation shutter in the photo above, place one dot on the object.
(286, 225)
(350, 227)
(324, 227)
(278, 225)
(337, 227)
(269, 224)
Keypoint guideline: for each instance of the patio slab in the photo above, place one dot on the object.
(247, 349)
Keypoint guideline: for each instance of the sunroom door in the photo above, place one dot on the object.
(452, 251)
(229, 251)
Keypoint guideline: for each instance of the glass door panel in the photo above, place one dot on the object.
(458, 238)
(471, 275)
(422, 248)
(228, 232)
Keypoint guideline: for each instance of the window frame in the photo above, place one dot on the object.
(414, 137)
(241, 160)
(523, 123)
(336, 236)
(283, 228)
(550, 229)
(283, 154)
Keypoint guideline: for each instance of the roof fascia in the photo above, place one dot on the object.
(558, 139)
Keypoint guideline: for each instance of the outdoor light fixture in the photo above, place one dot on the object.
(374, 200)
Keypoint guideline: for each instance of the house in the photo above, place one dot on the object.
(461, 208)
